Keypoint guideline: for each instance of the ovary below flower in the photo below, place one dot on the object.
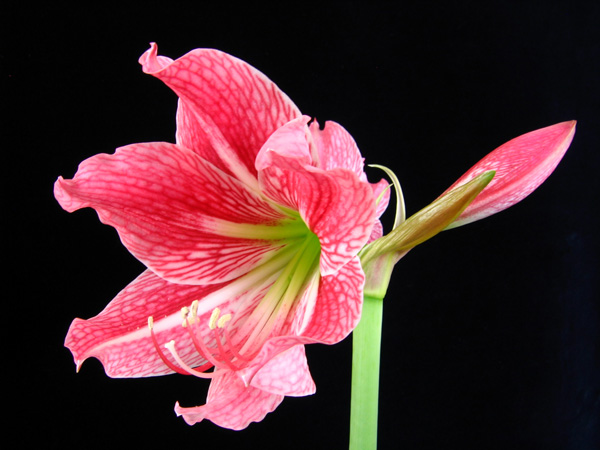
(252, 221)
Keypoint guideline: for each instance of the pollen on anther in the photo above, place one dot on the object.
(223, 320)
(185, 311)
(212, 322)
(194, 309)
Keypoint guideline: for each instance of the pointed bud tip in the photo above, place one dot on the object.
(522, 164)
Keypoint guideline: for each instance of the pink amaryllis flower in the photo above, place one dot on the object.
(249, 225)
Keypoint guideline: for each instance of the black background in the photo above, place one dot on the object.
(491, 331)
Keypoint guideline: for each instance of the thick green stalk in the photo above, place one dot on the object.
(366, 345)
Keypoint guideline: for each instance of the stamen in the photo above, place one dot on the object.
(215, 323)
(203, 350)
(184, 313)
(213, 318)
(223, 320)
(171, 347)
(231, 347)
(163, 357)
(226, 359)
(194, 311)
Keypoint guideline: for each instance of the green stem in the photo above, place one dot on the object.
(366, 345)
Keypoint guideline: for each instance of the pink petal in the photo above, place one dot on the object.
(119, 336)
(272, 349)
(381, 192)
(335, 205)
(172, 209)
(336, 148)
(290, 140)
(286, 374)
(230, 404)
(336, 310)
(228, 104)
(376, 232)
(521, 165)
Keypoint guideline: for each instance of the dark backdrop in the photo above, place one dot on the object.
(491, 331)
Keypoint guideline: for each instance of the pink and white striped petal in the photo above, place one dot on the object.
(334, 204)
(336, 148)
(189, 134)
(335, 311)
(291, 141)
(286, 374)
(521, 165)
(228, 103)
(181, 216)
(231, 404)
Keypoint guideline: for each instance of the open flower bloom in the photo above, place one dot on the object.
(250, 226)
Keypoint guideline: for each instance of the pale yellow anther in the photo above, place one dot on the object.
(212, 322)
(223, 320)
(185, 311)
(194, 311)
(150, 322)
